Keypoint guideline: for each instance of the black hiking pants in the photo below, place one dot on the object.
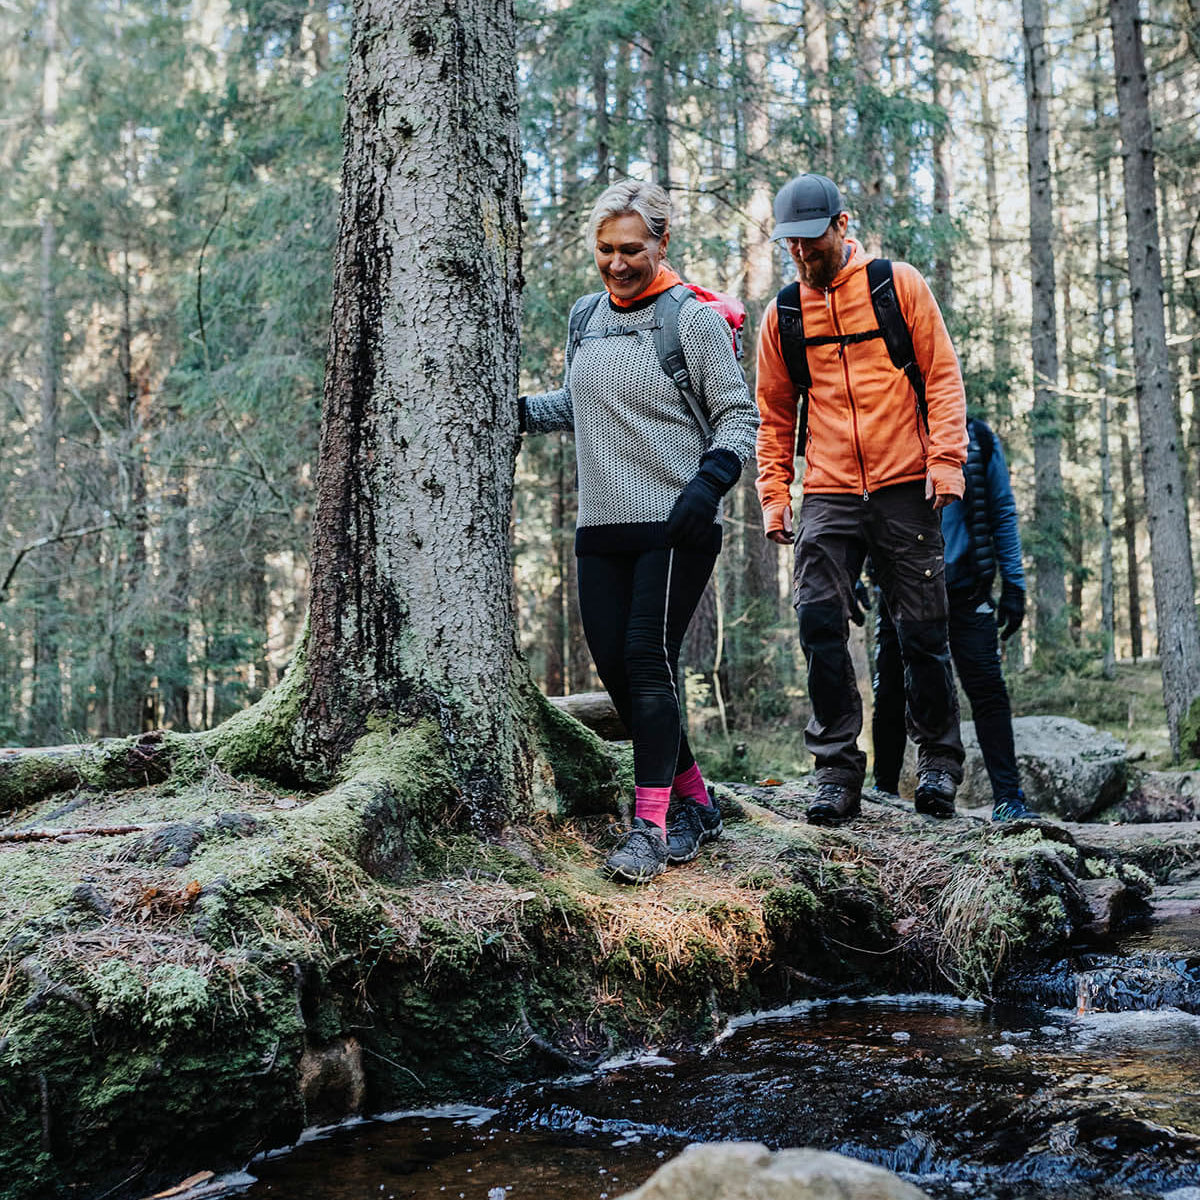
(901, 532)
(635, 610)
(975, 649)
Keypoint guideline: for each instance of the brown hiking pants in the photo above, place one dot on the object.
(901, 532)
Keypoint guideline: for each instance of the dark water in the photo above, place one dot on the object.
(1028, 1100)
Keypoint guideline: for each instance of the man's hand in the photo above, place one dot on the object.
(785, 536)
(939, 500)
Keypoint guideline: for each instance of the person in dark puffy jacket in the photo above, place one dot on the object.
(981, 540)
(651, 480)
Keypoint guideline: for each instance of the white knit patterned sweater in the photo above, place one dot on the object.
(636, 441)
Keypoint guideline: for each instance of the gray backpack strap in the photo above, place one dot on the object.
(670, 350)
(581, 314)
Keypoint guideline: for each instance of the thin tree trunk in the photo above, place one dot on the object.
(1103, 378)
(1051, 595)
(1000, 289)
(1129, 531)
(46, 712)
(816, 64)
(658, 107)
(943, 265)
(603, 127)
(1166, 499)
(624, 90)
(868, 62)
(1072, 501)
(171, 657)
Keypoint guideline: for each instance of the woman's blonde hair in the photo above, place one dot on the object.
(648, 200)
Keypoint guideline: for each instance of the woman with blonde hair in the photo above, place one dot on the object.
(652, 472)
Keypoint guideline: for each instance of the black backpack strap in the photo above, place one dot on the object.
(667, 344)
(794, 347)
(896, 335)
(581, 314)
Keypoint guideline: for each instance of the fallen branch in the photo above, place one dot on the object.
(50, 540)
(51, 835)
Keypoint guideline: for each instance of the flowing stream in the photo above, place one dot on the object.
(1085, 1085)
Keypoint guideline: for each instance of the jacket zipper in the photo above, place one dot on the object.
(862, 466)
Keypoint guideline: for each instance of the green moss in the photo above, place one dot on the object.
(590, 776)
(258, 740)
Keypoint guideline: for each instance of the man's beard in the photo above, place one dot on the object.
(821, 271)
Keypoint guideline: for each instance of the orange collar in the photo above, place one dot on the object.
(666, 278)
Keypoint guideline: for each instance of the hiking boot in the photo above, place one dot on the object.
(639, 856)
(935, 794)
(1012, 808)
(834, 802)
(689, 826)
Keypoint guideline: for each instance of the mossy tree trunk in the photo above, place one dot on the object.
(411, 611)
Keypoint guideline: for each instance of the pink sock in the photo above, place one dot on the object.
(651, 805)
(690, 785)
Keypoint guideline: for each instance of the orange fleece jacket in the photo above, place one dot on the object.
(864, 429)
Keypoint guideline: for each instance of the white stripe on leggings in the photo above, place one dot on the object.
(666, 608)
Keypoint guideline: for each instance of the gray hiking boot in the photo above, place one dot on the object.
(689, 826)
(834, 802)
(935, 794)
(639, 856)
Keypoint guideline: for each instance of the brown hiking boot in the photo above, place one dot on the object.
(834, 802)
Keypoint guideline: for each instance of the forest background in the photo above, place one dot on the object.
(166, 252)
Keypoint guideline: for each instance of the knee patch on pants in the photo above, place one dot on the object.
(822, 625)
(923, 637)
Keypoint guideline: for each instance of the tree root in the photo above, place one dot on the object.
(62, 835)
(557, 1053)
(46, 989)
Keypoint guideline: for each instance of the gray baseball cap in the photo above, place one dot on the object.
(805, 206)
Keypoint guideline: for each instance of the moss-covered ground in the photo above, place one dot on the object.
(163, 990)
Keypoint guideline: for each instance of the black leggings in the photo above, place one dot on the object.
(636, 609)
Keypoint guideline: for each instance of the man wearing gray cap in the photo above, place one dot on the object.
(857, 375)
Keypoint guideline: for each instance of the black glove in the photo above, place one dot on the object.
(692, 517)
(521, 414)
(1010, 612)
(861, 602)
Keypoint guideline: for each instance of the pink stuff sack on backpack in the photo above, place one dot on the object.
(730, 307)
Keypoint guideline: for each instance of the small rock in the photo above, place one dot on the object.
(1106, 899)
(88, 896)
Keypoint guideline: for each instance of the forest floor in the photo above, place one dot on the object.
(194, 970)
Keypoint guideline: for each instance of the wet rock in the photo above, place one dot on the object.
(749, 1171)
(332, 1081)
(1159, 796)
(1106, 901)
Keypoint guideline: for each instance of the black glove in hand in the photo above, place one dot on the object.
(1010, 612)
(861, 602)
(521, 414)
(692, 517)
